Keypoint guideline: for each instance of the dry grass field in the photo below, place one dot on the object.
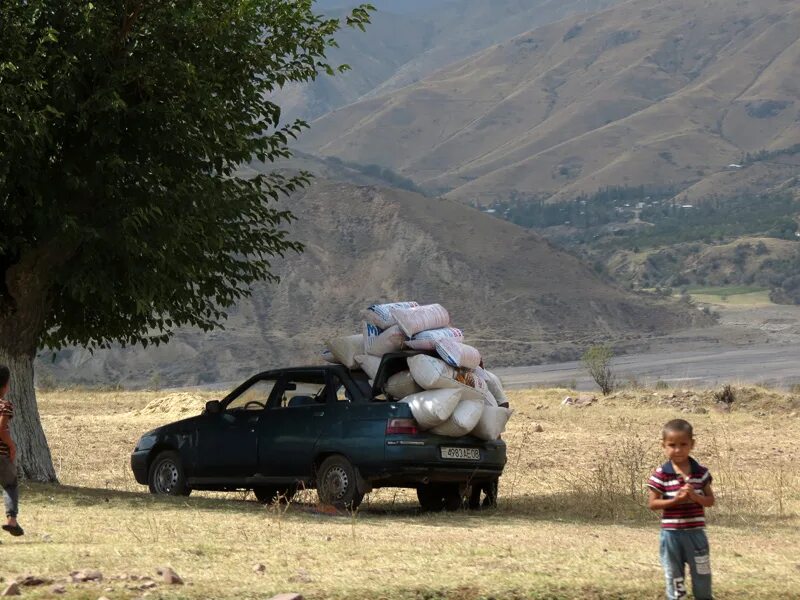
(571, 521)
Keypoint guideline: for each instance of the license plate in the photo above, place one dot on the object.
(461, 453)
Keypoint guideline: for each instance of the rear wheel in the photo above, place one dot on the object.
(435, 497)
(336, 483)
(166, 476)
(267, 494)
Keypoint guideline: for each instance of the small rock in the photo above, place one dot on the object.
(148, 585)
(33, 580)
(328, 538)
(169, 576)
(259, 568)
(11, 590)
(700, 410)
(108, 589)
(288, 596)
(792, 415)
(538, 428)
(540, 407)
(103, 598)
(685, 410)
(86, 575)
(567, 401)
(723, 408)
(58, 589)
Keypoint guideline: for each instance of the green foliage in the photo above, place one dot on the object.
(124, 125)
(597, 361)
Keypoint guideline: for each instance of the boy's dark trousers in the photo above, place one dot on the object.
(680, 547)
(8, 481)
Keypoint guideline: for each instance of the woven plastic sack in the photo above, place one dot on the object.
(457, 354)
(426, 340)
(421, 318)
(463, 420)
(344, 349)
(433, 407)
(380, 315)
(401, 385)
(378, 343)
(369, 364)
(494, 383)
(492, 422)
(432, 373)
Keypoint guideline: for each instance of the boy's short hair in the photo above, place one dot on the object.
(5, 375)
(678, 426)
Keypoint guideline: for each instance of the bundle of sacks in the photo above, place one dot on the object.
(448, 390)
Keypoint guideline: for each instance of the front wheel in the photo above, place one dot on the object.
(336, 483)
(166, 476)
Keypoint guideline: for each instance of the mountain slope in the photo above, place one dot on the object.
(518, 299)
(643, 93)
(409, 40)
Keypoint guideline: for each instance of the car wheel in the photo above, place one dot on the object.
(336, 483)
(267, 494)
(435, 497)
(166, 476)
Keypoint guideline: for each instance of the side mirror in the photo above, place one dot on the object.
(213, 407)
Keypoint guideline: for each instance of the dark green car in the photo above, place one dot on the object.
(320, 427)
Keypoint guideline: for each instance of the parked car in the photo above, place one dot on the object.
(322, 427)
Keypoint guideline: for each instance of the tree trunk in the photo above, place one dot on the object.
(33, 454)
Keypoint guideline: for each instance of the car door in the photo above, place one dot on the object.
(292, 423)
(227, 441)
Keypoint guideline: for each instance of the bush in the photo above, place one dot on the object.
(597, 361)
(726, 395)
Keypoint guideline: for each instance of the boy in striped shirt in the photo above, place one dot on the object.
(681, 488)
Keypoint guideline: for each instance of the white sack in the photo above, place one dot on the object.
(457, 354)
(421, 318)
(401, 385)
(380, 315)
(494, 383)
(369, 364)
(492, 422)
(344, 349)
(463, 420)
(378, 343)
(433, 407)
(432, 373)
(426, 340)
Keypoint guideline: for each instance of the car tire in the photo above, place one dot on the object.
(436, 497)
(337, 485)
(166, 476)
(267, 494)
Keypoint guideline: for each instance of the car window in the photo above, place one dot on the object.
(253, 398)
(301, 390)
(342, 393)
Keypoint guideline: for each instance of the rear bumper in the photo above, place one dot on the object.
(410, 461)
(139, 466)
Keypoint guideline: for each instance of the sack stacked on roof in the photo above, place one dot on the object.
(448, 390)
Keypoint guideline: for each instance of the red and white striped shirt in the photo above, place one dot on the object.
(6, 409)
(667, 482)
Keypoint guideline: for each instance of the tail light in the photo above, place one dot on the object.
(401, 427)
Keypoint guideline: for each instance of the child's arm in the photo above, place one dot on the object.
(5, 436)
(656, 502)
(706, 500)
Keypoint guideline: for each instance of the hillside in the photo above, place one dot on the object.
(409, 40)
(517, 297)
(667, 92)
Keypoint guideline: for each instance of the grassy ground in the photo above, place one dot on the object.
(731, 296)
(571, 522)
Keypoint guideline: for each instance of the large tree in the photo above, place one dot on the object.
(123, 215)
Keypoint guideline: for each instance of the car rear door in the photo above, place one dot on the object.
(292, 423)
